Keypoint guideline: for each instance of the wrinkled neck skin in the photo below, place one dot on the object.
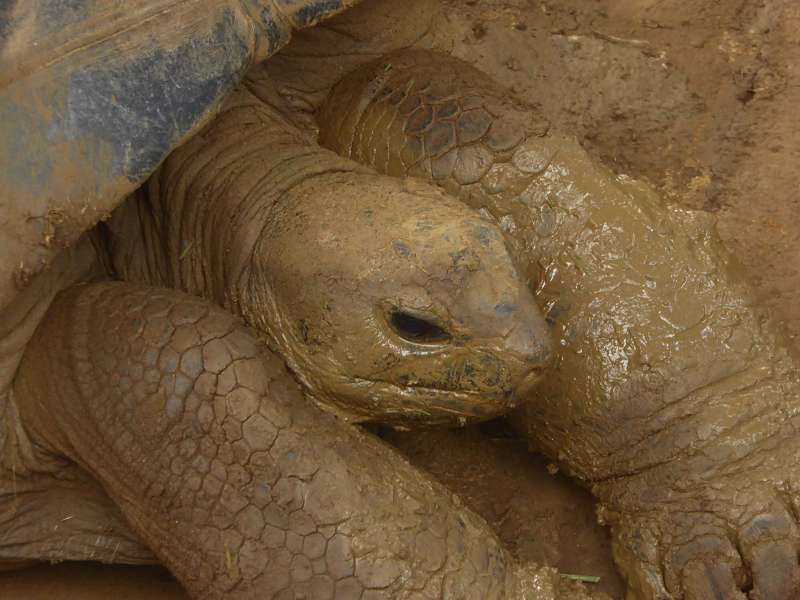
(204, 214)
(662, 363)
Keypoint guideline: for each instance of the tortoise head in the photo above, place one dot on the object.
(395, 303)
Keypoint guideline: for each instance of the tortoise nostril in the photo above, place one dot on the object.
(415, 329)
(531, 342)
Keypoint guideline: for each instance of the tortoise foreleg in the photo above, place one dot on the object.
(234, 479)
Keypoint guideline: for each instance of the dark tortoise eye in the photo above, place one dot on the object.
(415, 329)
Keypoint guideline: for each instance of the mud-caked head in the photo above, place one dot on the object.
(395, 303)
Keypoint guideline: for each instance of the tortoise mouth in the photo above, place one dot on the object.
(525, 383)
(434, 405)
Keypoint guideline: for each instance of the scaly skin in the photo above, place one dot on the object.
(240, 485)
(669, 396)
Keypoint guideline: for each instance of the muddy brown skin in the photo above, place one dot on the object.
(199, 436)
(669, 396)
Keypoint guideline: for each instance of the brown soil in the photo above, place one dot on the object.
(697, 97)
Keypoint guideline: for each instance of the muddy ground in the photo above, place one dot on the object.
(699, 98)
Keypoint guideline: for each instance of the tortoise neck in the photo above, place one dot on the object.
(196, 224)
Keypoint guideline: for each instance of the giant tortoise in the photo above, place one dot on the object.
(669, 397)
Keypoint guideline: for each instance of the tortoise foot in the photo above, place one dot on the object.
(734, 536)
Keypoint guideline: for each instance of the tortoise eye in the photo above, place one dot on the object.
(415, 329)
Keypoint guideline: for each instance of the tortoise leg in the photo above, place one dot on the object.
(240, 485)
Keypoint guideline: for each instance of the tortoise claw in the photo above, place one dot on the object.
(775, 572)
(717, 560)
(769, 544)
(703, 580)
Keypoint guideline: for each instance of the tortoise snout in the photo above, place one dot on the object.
(529, 340)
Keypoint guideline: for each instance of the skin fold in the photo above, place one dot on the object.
(669, 397)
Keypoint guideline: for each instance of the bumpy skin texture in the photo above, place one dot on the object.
(669, 396)
(241, 486)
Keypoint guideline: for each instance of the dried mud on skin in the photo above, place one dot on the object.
(696, 98)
